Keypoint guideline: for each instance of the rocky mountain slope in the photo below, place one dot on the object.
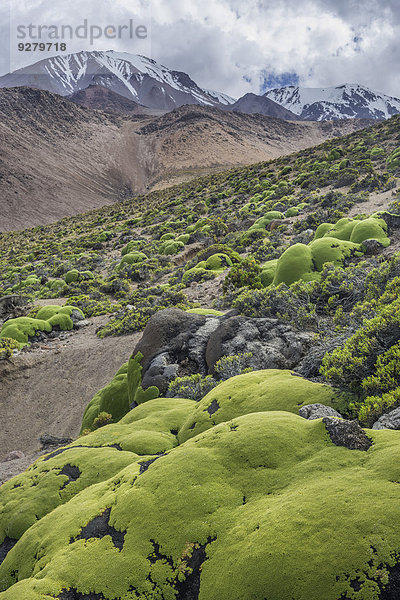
(261, 306)
(135, 77)
(59, 158)
(340, 102)
(253, 104)
(98, 97)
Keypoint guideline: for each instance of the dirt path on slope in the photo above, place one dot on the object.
(47, 389)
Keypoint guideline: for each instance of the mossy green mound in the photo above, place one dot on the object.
(171, 247)
(117, 396)
(23, 328)
(261, 506)
(205, 311)
(295, 262)
(53, 480)
(356, 231)
(332, 243)
(217, 262)
(331, 250)
(268, 272)
(258, 391)
(132, 258)
(264, 221)
(130, 247)
(75, 276)
(112, 399)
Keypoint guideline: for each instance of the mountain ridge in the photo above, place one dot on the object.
(87, 158)
(136, 77)
(349, 100)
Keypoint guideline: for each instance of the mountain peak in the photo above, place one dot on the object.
(133, 76)
(345, 101)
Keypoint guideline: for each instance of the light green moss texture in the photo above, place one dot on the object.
(248, 502)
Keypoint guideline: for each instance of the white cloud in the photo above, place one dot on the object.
(233, 45)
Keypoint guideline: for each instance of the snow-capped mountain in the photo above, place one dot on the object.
(136, 77)
(347, 101)
(252, 104)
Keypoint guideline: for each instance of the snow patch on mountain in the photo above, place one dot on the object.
(345, 101)
(136, 77)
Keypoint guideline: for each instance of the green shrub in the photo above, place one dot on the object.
(7, 347)
(236, 364)
(171, 247)
(102, 419)
(393, 160)
(247, 273)
(132, 258)
(194, 387)
(146, 302)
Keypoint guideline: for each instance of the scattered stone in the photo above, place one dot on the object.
(80, 324)
(318, 411)
(372, 247)
(389, 421)
(10, 304)
(347, 433)
(76, 317)
(47, 441)
(13, 455)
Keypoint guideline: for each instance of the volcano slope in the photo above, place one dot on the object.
(194, 476)
(59, 159)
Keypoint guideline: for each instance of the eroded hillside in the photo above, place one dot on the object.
(59, 159)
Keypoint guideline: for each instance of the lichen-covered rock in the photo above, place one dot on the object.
(347, 433)
(9, 303)
(273, 344)
(318, 411)
(174, 343)
(390, 420)
(177, 343)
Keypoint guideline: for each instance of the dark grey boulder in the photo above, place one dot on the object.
(76, 317)
(389, 421)
(175, 343)
(10, 304)
(274, 345)
(347, 433)
(318, 411)
(372, 247)
(160, 372)
(47, 440)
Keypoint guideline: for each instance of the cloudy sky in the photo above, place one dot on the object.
(235, 46)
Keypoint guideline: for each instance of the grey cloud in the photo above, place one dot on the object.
(230, 45)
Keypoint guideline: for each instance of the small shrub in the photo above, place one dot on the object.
(193, 387)
(230, 366)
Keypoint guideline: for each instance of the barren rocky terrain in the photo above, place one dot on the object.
(59, 159)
